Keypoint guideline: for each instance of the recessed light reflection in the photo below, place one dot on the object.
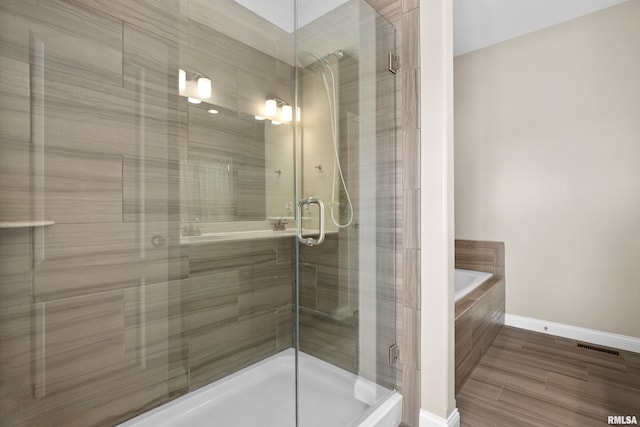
(212, 111)
(259, 117)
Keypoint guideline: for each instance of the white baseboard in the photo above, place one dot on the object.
(606, 339)
(428, 419)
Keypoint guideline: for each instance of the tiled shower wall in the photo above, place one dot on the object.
(104, 314)
(404, 15)
(93, 292)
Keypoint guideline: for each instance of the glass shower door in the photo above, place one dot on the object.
(346, 209)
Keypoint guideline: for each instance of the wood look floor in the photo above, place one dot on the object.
(530, 379)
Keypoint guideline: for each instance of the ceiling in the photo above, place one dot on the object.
(481, 23)
(280, 12)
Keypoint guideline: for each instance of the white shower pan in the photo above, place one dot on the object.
(263, 394)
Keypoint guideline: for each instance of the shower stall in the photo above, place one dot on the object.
(197, 214)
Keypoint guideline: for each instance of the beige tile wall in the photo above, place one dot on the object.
(404, 15)
(105, 315)
(142, 321)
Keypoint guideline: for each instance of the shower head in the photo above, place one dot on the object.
(315, 62)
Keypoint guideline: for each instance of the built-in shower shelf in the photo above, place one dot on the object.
(25, 224)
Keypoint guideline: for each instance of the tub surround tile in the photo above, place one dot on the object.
(480, 256)
(479, 316)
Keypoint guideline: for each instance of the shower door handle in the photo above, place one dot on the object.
(310, 241)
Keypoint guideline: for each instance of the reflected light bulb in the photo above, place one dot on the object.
(270, 108)
(204, 88)
(287, 113)
(182, 80)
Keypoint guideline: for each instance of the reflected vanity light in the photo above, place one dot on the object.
(204, 88)
(277, 110)
(182, 80)
(274, 122)
(270, 107)
(194, 86)
(287, 113)
(213, 111)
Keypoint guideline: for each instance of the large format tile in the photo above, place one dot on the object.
(249, 28)
(85, 258)
(163, 17)
(64, 186)
(84, 115)
(81, 187)
(264, 287)
(226, 256)
(15, 107)
(150, 62)
(16, 159)
(334, 341)
(150, 189)
(224, 349)
(208, 301)
(79, 339)
(63, 36)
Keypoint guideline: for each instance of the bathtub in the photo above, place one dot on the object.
(466, 281)
(263, 394)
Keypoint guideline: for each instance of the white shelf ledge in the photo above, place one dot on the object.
(25, 224)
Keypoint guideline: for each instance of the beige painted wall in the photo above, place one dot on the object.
(547, 159)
